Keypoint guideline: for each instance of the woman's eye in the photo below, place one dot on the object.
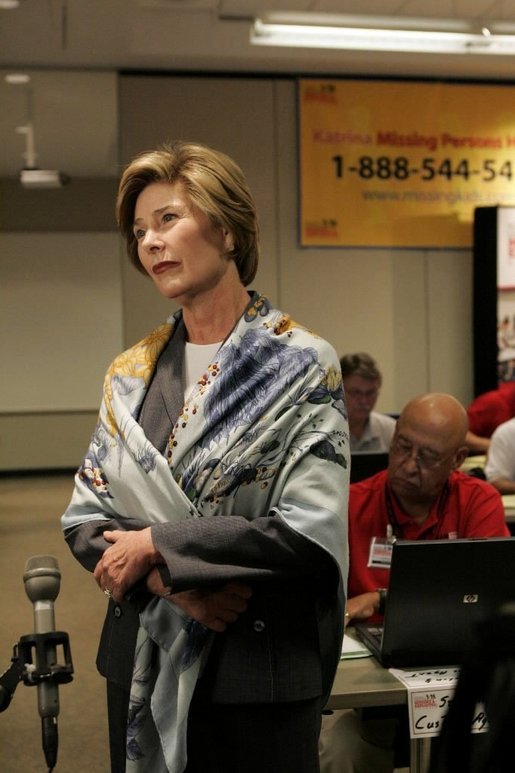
(168, 216)
(139, 233)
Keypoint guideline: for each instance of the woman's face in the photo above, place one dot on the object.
(181, 251)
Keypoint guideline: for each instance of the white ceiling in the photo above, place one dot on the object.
(64, 42)
(214, 35)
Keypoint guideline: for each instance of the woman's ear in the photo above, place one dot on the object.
(228, 240)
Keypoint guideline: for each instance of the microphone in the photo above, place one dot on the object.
(42, 580)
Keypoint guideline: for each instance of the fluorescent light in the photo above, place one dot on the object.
(369, 33)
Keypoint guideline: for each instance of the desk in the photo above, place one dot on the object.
(508, 501)
(473, 461)
(364, 682)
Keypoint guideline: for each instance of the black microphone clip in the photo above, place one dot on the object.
(33, 663)
(34, 652)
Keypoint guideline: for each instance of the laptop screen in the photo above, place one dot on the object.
(439, 591)
(365, 465)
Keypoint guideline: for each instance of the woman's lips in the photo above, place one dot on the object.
(163, 266)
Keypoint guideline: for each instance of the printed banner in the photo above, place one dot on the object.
(402, 164)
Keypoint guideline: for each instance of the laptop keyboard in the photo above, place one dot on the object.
(375, 632)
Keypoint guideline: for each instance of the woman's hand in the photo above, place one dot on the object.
(361, 607)
(215, 609)
(130, 557)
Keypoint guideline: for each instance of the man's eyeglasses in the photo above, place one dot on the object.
(424, 457)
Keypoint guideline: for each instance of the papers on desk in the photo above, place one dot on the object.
(473, 461)
(353, 648)
(508, 501)
(430, 693)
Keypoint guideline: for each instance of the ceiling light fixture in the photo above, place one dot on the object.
(374, 33)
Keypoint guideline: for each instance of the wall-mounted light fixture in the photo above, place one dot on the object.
(375, 33)
(31, 176)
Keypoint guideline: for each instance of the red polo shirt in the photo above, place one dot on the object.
(490, 409)
(467, 507)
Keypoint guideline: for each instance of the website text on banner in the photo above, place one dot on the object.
(402, 164)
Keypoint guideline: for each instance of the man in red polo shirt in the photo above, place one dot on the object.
(422, 495)
(486, 412)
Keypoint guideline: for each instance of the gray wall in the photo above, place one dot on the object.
(411, 309)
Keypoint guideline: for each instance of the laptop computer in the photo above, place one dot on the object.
(439, 591)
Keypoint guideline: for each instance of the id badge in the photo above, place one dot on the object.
(380, 554)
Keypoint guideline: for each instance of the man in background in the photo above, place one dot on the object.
(486, 412)
(500, 462)
(370, 431)
(422, 495)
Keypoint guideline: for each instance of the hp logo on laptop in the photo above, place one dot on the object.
(471, 598)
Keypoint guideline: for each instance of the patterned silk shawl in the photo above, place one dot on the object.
(263, 430)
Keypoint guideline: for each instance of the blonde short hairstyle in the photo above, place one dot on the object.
(213, 182)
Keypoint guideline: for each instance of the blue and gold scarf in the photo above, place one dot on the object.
(263, 430)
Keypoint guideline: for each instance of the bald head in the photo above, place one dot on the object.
(428, 444)
(440, 415)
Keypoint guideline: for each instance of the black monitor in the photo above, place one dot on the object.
(364, 465)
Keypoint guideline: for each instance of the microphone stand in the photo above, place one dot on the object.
(31, 664)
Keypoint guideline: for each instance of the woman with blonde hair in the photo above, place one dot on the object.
(211, 502)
